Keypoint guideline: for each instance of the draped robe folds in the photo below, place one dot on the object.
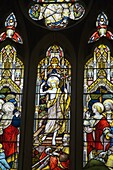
(54, 163)
(97, 139)
(55, 115)
(9, 140)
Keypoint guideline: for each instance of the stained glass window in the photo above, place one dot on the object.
(11, 89)
(102, 31)
(56, 14)
(10, 26)
(52, 111)
(98, 107)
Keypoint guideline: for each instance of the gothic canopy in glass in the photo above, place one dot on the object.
(51, 130)
(98, 107)
(11, 96)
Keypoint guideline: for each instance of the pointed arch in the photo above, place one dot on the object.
(97, 104)
(11, 96)
(52, 106)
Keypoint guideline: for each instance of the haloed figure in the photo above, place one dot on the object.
(108, 104)
(101, 134)
(54, 105)
(102, 128)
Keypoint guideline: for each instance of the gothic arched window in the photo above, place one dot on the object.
(52, 109)
(98, 106)
(51, 37)
(11, 94)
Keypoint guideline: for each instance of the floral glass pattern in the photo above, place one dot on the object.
(52, 114)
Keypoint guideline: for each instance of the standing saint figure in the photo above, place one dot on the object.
(56, 101)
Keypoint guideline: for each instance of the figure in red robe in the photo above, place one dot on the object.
(9, 140)
(9, 129)
(99, 138)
